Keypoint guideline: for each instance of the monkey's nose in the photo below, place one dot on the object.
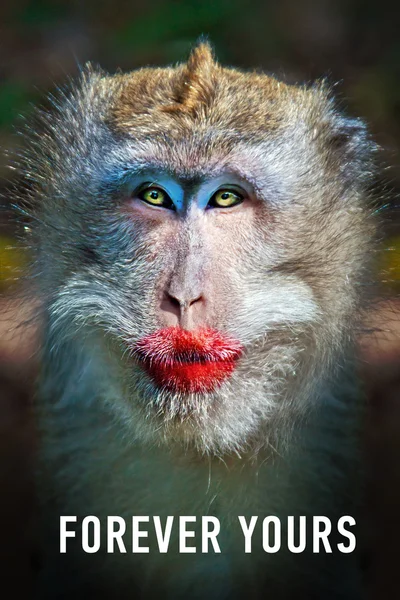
(183, 310)
(183, 303)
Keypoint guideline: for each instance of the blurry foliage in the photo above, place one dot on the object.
(171, 23)
(390, 263)
(40, 12)
(13, 260)
(14, 98)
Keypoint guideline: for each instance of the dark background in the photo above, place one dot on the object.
(356, 45)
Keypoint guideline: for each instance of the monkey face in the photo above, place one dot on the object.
(193, 221)
(210, 240)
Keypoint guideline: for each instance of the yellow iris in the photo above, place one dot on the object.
(154, 196)
(226, 198)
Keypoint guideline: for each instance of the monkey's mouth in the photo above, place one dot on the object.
(188, 361)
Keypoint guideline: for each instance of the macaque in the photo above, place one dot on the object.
(204, 237)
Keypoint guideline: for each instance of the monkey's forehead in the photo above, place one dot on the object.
(193, 124)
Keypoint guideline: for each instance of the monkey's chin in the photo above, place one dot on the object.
(188, 362)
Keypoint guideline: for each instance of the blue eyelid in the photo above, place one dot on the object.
(172, 188)
(204, 198)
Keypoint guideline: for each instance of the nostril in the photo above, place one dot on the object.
(174, 301)
(180, 302)
(195, 300)
(183, 309)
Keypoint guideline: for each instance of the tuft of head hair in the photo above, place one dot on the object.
(195, 89)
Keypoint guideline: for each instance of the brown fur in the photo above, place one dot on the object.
(202, 89)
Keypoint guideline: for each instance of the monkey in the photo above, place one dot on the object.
(204, 237)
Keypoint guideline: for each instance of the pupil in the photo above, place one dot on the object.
(154, 195)
(225, 195)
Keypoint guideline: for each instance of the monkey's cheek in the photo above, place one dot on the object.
(190, 378)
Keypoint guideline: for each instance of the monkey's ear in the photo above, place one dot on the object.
(352, 148)
(346, 139)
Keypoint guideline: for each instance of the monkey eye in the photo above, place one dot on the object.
(155, 196)
(225, 198)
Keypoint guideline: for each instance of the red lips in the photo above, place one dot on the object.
(188, 361)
